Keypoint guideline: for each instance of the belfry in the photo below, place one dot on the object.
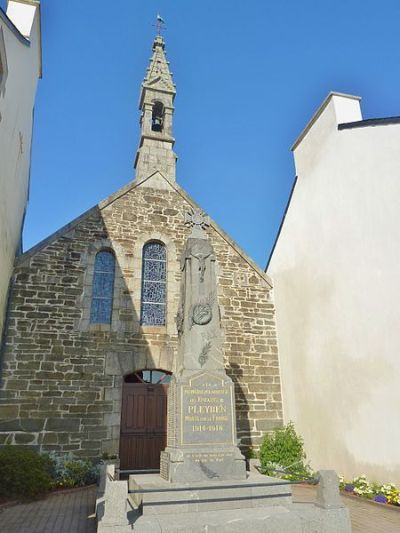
(156, 105)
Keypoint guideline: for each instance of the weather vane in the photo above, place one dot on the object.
(160, 24)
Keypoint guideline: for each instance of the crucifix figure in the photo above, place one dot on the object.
(200, 247)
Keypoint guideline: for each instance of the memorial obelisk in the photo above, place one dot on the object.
(201, 434)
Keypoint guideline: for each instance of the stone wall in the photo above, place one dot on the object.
(62, 377)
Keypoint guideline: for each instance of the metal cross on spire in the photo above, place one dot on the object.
(160, 24)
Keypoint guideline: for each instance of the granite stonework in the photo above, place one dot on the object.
(155, 152)
(154, 505)
(201, 435)
(205, 444)
(62, 377)
(155, 496)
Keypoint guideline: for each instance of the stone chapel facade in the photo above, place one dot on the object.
(93, 313)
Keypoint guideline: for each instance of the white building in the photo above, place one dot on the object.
(20, 68)
(335, 267)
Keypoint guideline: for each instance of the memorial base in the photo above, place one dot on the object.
(249, 505)
(198, 464)
(155, 496)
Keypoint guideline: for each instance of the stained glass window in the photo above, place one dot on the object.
(103, 288)
(154, 275)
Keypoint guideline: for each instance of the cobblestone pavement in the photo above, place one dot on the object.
(68, 512)
(365, 516)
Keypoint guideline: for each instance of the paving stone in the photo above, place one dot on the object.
(71, 512)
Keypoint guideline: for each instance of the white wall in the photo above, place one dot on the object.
(337, 290)
(16, 110)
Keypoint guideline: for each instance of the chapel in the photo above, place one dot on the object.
(91, 336)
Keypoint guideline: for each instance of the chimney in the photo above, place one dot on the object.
(22, 14)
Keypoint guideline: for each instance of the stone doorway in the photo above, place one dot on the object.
(143, 419)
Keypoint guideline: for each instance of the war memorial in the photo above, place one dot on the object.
(203, 484)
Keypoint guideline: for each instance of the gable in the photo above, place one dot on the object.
(155, 182)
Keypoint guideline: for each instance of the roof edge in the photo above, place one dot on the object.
(39, 15)
(369, 122)
(223, 234)
(53, 236)
(318, 113)
(112, 198)
(178, 189)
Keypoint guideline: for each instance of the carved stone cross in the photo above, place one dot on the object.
(198, 221)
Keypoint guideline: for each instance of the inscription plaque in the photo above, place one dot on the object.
(207, 411)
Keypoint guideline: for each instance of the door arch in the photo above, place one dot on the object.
(143, 419)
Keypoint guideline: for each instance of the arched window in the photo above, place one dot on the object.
(103, 288)
(154, 276)
(156, 377)
(157, 117)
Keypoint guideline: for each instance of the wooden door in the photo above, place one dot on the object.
(143, 425)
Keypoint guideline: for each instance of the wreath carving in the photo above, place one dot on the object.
(201, 314)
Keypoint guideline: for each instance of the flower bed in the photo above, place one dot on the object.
(26, 474)
(387, 493)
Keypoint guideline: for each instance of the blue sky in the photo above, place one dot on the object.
(249, 76)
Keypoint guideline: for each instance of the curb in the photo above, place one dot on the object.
(389, 506)
(11, 503)
(68, 491)
(359, 499)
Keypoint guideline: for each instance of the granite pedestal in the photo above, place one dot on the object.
(154, 496)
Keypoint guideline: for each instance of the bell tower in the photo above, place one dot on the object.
(157, 95)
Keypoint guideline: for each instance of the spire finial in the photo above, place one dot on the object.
(160, 24)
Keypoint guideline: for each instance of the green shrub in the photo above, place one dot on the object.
(108, 457)
(79, 473)
(251, 454)
(68, 473)
(283, 450)
(23, 472)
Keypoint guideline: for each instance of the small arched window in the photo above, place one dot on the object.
(157, 117)
(103, 288)
(154, 276)
(156, 377)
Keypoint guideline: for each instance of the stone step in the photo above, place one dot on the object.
(293, 518)
(175, 498)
